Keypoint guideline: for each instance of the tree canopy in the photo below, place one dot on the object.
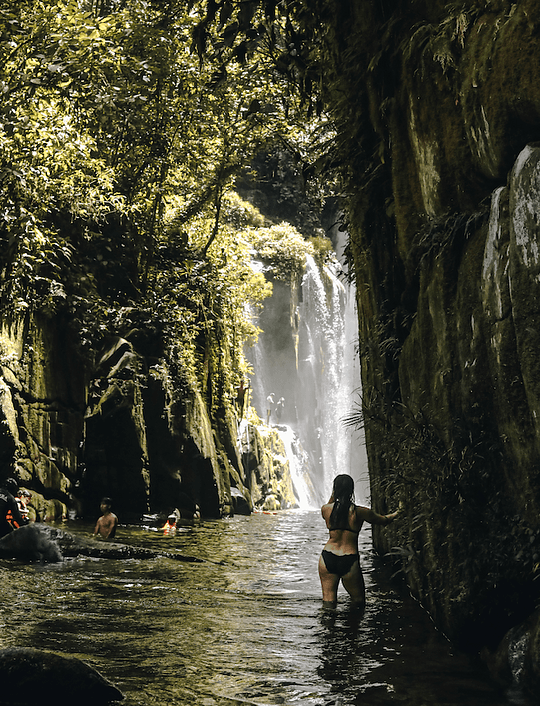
(122, 126)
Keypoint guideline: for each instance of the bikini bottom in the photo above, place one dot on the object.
(339, 564)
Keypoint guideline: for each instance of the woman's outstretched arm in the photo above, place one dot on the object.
(369, 515)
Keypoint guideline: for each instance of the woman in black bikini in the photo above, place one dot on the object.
(339, 558)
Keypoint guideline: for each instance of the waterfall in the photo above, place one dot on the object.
(300, 467)
(306, 355)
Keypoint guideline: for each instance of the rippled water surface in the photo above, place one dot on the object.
(244, 627)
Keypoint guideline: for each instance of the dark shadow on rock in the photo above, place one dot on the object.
(30, 543)
(41, 542)
(30, 676)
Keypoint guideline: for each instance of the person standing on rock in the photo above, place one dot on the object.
(22, 499)
(269, 405)
(339, 560)
(242, 394)
(10, 516)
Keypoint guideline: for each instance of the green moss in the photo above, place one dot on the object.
(283, 250)
(323, 251)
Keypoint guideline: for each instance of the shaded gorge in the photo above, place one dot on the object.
(244, 627)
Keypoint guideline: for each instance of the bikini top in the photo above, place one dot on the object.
(344, 528)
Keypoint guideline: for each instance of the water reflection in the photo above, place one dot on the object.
(391, 654)
(245, 627)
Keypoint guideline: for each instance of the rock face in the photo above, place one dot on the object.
(42, 403)
(439, 110)
(73, 434)
(127, 426)
(267, 469)
(32, 676)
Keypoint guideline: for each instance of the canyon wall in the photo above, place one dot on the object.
(437, 108)
(131, 422)
(72, 432)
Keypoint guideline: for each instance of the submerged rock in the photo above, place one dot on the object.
(40, 542)
(30, 676)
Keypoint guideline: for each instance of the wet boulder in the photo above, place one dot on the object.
(30, 543)
(271, 503)
(41, 542)
(241, 506)
(515, 661)
(30, 676)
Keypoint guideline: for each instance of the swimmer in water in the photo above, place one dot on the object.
(169, 528)
(339, 560)
(108, 522)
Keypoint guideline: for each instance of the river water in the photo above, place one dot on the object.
(244, 627)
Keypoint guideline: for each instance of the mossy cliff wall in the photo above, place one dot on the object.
(437, 108)
(125, 427)
(42, 406)
(267, 468)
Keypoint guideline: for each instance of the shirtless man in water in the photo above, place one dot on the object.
(107, 523)
(339, 559)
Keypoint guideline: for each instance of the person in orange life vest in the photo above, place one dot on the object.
(170, 526)
(10, 516)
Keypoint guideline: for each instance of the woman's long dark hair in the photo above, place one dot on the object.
(343, 491)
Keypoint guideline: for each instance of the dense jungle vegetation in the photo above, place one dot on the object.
(120, 139)
(124, 127)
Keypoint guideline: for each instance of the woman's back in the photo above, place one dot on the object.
(343, 535)
(339, 559)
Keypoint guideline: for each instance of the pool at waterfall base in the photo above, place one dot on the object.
(246, 626)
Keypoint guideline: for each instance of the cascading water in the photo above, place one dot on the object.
(300, 467)
(306, 355)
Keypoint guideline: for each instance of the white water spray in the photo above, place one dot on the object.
(300, 469)
(306, 354)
